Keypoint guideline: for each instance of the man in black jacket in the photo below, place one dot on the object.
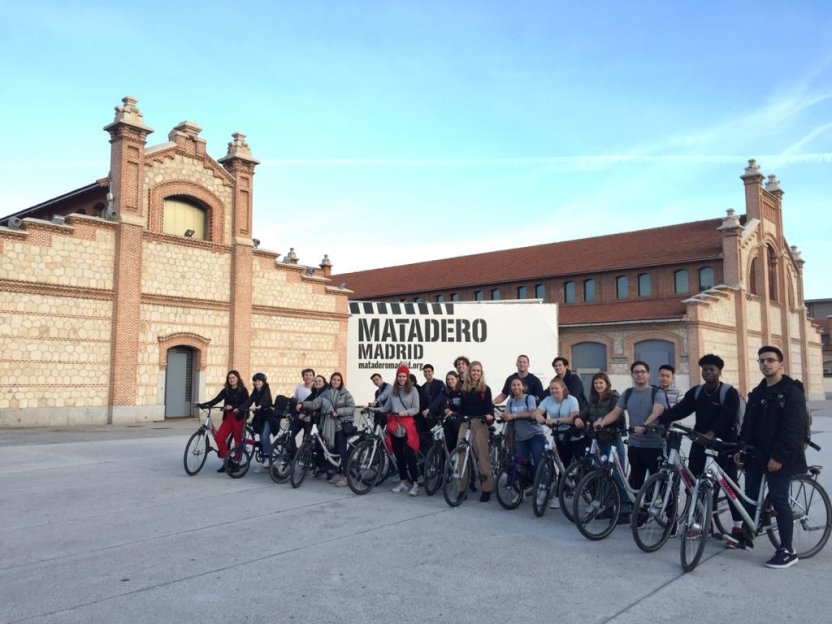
(776, 425)
(573, 381)
(716, 407)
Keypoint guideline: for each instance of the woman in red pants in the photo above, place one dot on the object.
(234, 394)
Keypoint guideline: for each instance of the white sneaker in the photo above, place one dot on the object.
(414, 491)
(555, 504)
(401, 487)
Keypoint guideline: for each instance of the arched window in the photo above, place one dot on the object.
(706, 278)
(478, 296)
(680, 281)
(772, 274)
(569, 292)
(495, 294)
(540, 291)
(522, 292)
(622, 287)
(183, 215)
(752, 277)
(655, 353)
(644, 285)
(589, 358)
(455, 297)
(440, 298)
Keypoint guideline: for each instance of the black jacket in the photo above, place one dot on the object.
(233, 398)
(776, 423)
(576, 387)
(710, 415)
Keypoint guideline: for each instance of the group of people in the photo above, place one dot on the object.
(775, 422)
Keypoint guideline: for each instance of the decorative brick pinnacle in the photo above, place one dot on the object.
(326, 262)
(731, 221)
(773, 184)
(238, 149)
(188, 128)
(752, 170)
(129, 114)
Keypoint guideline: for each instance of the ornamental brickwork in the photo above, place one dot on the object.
(92, 306)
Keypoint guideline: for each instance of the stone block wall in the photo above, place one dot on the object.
(185, 269)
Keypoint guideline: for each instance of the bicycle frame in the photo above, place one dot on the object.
(714, 474)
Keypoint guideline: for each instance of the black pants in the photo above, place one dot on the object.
(341, 447)
(450, 427)
(405, 459)
(696, 463)
(642, 461)
(295, 429)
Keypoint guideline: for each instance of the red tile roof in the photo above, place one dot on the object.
(685, 242)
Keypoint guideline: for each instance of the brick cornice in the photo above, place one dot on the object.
(186, 339)
(39, 288)
(172, 239)
(188, 188)
(184, 302)
(310, 314)
(207, 162)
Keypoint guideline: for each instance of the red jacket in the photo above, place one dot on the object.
(409, 425)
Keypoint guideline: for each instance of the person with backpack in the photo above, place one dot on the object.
(642, 402)
(264, 421)
(529, 440)
(776, 424)
(718, 408)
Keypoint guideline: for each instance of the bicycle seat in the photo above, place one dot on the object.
(815, 470)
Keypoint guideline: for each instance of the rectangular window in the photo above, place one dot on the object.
(540, 291)
(589, 290)
(522, 293)
(569, 292)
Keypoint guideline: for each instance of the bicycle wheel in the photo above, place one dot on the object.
(363, 466)
(434, 462)
(281, 461)
(696, 527)
(456, 476)
(495, 452)
(387, 465)
(654, 511)
(544, 486)
(196, 450)
(301, 465)
(508, 487)
(812, 517)
(237, 461)
(596, 505)
(566, 488)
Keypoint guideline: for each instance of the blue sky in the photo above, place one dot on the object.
(393, 132)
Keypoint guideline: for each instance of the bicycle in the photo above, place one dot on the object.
(314, 454)
(201, 443)
(576, 471)
(597, 499)
(370, 462)
(548, 474)
(282, 457)
(435, 460)
(661, 504)
(238, 460)
(804, 490)
(457, 473)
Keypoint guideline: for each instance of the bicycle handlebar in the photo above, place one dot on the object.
(715, 443)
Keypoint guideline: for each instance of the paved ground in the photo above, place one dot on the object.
(103, 525)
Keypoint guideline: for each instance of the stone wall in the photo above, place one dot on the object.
(55, 310)
(180, 268)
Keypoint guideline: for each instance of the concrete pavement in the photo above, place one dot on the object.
(103, 525)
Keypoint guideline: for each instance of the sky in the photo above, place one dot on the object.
(392, 132)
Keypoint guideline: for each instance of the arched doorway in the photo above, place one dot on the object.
(589, 358)
(655, 353)
(179, 382)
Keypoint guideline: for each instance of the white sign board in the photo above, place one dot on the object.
(382, 335)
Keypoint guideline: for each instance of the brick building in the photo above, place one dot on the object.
(126, 299)
(668, 294)
(820, 311)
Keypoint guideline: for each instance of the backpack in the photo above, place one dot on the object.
(723, 392)
(655, 391)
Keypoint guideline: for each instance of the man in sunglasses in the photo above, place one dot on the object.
(776, 425)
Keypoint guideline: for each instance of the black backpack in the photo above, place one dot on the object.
(723, 392)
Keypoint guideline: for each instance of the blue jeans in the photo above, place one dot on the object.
(778, 490)
(266, 441)
(533, 447)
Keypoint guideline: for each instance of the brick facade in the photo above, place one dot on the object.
(90, 308)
